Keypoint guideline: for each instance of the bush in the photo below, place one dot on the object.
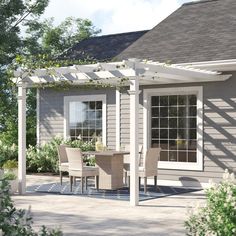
(218, 217)
(10, 164)
(18, 222)
(7, 153)
(45, 158)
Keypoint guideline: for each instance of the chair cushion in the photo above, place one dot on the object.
(64, 166)
(86, 171)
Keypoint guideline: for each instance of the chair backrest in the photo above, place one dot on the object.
(127, 157)
(151, 160)
(75, 158)
(61, 150)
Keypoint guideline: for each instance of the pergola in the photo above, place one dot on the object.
(136, 73)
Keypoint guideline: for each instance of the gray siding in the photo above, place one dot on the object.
(51, 117)
(219, 125)
(219, 131)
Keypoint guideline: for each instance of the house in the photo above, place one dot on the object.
(187, 104)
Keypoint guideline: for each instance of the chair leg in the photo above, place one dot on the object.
(74, 181)
(61, 177)
(71, 182)
(139, 183)
(155, 181)
(126, 178)
(128, 181)
(82, 185)
(97, 182)
(145, 184)
(86, 182)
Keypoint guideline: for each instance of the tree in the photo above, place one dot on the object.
(12, 14)
(42, 40)
(45, 38)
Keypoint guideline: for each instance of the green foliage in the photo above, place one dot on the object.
(18, 222)
(218, 217)
(10, 164)
(12, 14)
(45, 158)
(43, 37)
(40, 38)
(7, 152)
(10, 176)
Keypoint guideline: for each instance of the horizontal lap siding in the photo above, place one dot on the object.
(219, 125)
(51, 117)
(125, 118)
(219, 136)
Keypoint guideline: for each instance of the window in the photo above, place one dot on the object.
(175, 124)
(85, 117)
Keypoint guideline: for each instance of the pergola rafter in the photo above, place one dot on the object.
(157, 72)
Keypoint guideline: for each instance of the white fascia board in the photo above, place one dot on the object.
(221, 65)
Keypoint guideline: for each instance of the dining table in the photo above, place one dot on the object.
(110, 164)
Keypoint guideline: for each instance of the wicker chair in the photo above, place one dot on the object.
(126, 165)
(149, 167)
(77, 169)
(63, 160)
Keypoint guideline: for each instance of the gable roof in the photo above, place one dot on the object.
(197, 31)
(103, 48)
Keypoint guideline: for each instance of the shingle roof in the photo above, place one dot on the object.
(197, 31)
(104, 47)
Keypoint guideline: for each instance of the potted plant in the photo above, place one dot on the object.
(10, 169)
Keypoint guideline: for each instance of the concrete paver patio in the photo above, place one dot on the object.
(77, 215)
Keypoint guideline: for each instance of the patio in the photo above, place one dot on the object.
(138, 73)
(86, 216)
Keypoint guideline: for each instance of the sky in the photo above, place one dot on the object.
(114, 16)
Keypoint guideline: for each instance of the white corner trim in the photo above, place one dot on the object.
(38, 116)
(198, 90)
(99, 97)
(117, 120)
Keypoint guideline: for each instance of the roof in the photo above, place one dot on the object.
(103, 48)
(197, 31)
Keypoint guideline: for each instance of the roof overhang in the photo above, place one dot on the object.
(148, 72)
(220, 65)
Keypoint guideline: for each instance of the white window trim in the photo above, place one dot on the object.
(86, 98)
(198, 90)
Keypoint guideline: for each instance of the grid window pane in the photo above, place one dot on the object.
(173, 100)
(155, 101)
(164, 101)
(164, 156)
(155, 111)
(173, 124)
(85, 120)
(163, 111)
(155, 133)
(173, 156)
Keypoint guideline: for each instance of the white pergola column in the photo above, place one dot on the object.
(117, 120)
(22, 138)
(134, 141)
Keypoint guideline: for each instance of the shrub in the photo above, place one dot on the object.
(7, 153)
(45, 158)
(218, 217)
(18, 222)
(10, 164)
